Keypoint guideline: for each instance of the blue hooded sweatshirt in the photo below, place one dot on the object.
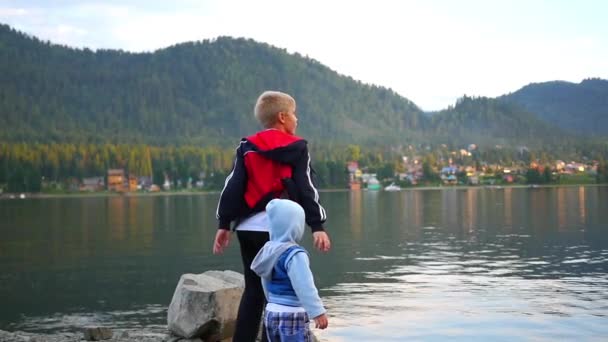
(282, 264)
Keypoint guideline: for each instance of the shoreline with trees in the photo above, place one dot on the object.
(203, 192)
(62, 169)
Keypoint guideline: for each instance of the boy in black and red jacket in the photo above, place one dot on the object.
(273, 163)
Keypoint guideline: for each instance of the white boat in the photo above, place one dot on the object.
(392, 187)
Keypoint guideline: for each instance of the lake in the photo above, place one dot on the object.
(457, 264)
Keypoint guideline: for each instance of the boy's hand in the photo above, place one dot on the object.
(321, 241)
(222, 240)
(321, 321)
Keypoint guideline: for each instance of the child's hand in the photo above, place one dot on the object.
(321, 321)
(321, 241)
(222, 239)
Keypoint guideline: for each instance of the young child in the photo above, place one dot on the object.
(288, 284)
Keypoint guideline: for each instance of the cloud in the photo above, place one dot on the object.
(12, 12)
(431, 52)
(66, 34)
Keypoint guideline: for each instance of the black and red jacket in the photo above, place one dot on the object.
(269, 164)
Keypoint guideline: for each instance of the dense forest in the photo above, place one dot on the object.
(492, 121)
(580, 108)
(30, 167)
(193, 93)
(25, 167)
(178, 113)
(202, 93)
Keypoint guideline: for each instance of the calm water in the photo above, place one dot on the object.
(484, 264)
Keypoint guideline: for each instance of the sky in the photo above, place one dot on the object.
(431, 52)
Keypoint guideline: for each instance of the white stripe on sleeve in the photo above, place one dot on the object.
(321, 209)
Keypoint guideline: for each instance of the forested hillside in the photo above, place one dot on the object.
(580, 108)
(176, 113)
(202, 94)
(490, 121)
(192, 93)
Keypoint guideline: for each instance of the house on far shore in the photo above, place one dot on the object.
(144, 182)
(132, 183)
(448, 175)
(116, 180)
(92, 184)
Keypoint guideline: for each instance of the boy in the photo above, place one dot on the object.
(287, 280)
(270, 164)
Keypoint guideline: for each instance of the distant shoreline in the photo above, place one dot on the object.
(498, 187)
(7, 196)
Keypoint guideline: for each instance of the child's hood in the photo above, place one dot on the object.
(286, 220)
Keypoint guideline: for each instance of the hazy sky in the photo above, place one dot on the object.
(431, 52)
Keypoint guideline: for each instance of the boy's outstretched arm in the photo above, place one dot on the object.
(309, 199)
(230, 202)
(232, 195)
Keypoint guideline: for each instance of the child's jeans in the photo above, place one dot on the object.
(287, 326)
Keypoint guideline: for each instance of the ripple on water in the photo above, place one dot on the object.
(491, 293)
(151, 317)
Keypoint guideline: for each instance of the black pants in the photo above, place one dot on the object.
(252, 302)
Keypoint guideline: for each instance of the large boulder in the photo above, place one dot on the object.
(205, 305)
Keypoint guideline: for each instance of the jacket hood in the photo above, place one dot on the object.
(277, 145)
(286, 220)
(272, 138)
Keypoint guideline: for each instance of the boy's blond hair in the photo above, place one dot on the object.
(270, 104)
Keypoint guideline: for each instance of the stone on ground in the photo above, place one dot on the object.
(205, 305)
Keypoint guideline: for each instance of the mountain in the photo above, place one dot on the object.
(580, 108)
(203, 93)
(491, 121)
(192, 93)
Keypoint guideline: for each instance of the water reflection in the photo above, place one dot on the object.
(562, 210)
(454, 280)
(508, 201)
(514, 261)
(581, 206)
(469, 219)
(474, 264)
(74, 256)
(356, 213)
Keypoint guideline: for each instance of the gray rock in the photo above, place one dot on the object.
(172, 338)
(20, 336)
(228, 276)
(97, 333)
(205, 305)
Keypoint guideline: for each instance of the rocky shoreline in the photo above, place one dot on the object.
(117, 336)
(203, 309)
